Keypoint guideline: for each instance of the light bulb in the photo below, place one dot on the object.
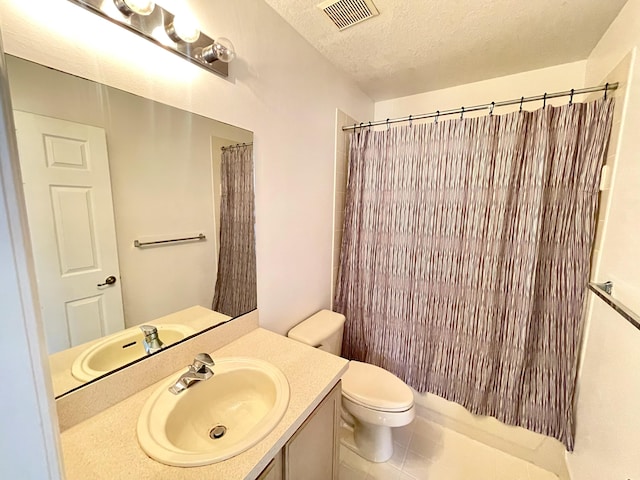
(140, 7)
(222, 49)
(184, 29)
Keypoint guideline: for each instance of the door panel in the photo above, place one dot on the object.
(85, 318)
(74, 226)
(65, 152)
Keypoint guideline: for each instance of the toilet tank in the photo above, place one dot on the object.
(322, 330)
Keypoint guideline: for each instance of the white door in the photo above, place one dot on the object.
(65, 171)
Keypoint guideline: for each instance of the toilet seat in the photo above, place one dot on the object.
(375, 388)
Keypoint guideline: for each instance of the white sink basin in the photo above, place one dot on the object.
(245, 395)
(120, 349)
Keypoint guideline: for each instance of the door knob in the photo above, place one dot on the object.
(108, 281)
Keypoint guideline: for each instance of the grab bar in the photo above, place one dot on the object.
(603, 290)
(138, 244)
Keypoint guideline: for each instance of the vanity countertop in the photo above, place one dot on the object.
(106, 447)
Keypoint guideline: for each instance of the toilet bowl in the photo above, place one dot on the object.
(374, 401)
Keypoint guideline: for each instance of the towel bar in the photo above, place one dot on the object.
(604, 290)
(138, 244)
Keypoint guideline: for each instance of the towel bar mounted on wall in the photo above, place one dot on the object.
(606, 286)
(604, 291)
(138, 244)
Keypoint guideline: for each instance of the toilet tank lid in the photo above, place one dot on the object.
(317, 328)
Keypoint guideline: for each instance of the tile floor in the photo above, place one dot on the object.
(427, 451)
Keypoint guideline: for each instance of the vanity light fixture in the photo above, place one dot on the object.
(183, 37)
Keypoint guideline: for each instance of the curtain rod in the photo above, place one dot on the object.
(237, 146)
(488, 106)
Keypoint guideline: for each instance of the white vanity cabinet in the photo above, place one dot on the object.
(313, 452)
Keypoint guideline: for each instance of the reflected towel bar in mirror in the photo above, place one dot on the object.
(604, 290)
(138, 244)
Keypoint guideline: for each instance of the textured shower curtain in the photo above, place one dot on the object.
(235, 291)
(465, 257)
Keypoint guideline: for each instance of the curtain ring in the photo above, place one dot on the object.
(521, 102)
(461, 113)
(410, 121)
(606, 87)
(360, 126)
(437, 116)
(493, 104)
(388, 124)
(544, 100)
(571, 97)
(369, 127)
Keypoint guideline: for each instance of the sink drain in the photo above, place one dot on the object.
(217, 432)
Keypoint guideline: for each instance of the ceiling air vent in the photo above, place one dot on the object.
(346, 13)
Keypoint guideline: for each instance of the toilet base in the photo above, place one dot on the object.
(371, 442)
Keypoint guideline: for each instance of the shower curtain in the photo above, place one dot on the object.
(465, 257)
(235, 291)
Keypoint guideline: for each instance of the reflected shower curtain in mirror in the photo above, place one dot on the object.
(465, 257)
(235, 292)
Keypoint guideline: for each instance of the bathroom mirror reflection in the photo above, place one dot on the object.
(135, 212)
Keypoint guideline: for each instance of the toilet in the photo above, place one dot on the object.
(374, 401)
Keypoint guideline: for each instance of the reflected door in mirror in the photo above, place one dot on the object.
(65, 172)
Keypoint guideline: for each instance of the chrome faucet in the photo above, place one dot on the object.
(197, 372)
(151, 342)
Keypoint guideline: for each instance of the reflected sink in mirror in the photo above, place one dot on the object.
(121, 349)
(196, 319)
(243, 401)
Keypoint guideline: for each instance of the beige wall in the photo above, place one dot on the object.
(534, 82)
(543, 451)
(608, 417)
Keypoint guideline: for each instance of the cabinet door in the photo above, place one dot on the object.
(273, 470)
(313, 451)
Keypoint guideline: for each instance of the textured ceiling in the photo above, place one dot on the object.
(421, 45)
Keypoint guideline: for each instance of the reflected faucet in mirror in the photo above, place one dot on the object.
(151, 342)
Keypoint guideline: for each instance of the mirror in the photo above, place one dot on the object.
(136, 210)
